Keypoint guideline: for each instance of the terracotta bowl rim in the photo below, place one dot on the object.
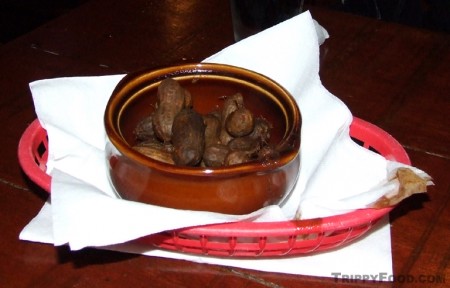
(114, 136)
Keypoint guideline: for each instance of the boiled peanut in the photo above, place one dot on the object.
(240, 123)
(188, 138)
(156, 151)
(215, 154)
(171, 99)
(212, 129)
(144, 129)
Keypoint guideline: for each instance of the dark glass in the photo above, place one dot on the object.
(252, 16)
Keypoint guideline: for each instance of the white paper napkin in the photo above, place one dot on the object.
(85, 212)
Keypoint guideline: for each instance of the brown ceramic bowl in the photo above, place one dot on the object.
(237, 189)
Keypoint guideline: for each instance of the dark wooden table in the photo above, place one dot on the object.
(393, 76)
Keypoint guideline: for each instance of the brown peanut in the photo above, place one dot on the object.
(237, 157)
(171, 99)
(230, 105)
(155, 150)
(188, 138)
(212, 129)
(144, 129)
(214, 155)
(240, 123)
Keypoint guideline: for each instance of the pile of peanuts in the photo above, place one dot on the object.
(176, 134)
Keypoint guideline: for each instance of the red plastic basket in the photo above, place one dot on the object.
(247, 239)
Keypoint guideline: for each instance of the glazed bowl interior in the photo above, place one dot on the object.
(135, 98)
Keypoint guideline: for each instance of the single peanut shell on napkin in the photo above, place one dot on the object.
(410, 183)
